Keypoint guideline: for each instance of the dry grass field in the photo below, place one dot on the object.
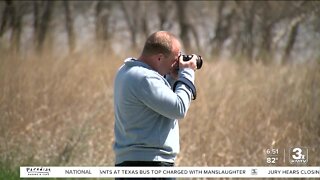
(60, 112)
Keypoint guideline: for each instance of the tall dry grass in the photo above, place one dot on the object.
(244, 109)
(60, 112)
(57, 111)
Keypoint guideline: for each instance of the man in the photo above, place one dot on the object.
(150, 94)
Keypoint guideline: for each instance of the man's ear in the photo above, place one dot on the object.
(160, 56)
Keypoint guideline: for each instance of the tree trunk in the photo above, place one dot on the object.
(216, 41)
(249, 24)
(184, 24)
(16, 30)
(12, 18)
(144, 19)
(69, 26)
(266, 37)
(132, 21)
(222, 31)
(163, 14)
(7, 17)
(103, 36)
(291, 39)
(265, 46)
(36, 22)
(44, 25)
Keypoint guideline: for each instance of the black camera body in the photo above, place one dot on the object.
(189, 57)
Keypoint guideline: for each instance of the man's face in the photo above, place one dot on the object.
(171, 61)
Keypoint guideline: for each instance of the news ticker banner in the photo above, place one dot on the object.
(178, 172)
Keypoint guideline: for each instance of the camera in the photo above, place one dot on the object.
(189, 57)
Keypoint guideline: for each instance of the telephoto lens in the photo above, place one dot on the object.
(199, 60)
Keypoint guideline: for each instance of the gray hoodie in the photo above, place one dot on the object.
(146, 111)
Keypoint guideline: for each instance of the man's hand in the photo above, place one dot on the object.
(192, 63)
(174, 70)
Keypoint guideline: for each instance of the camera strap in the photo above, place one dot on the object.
(189, 84)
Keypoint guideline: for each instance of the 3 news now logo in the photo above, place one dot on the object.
(298, 155)
(38, 171)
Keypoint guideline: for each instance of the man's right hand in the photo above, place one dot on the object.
(192, 63)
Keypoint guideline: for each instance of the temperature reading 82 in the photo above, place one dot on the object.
(272, 160)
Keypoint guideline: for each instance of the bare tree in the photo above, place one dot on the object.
(222, 29)
(12, 19)
(132, 19)
(103, 35)
(303, 9)
(43, 16)
(69, 26)
(266, 24)
(294, 26)
(144, 18)
(36, 22)
(271, 13)
(184, 24)
(256, 29)
(186, 29)
(7, 17)
(245, 15)
(163, 14)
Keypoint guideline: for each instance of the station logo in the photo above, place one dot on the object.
(298, 156)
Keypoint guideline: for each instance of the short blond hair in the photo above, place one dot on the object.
(159, 42)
